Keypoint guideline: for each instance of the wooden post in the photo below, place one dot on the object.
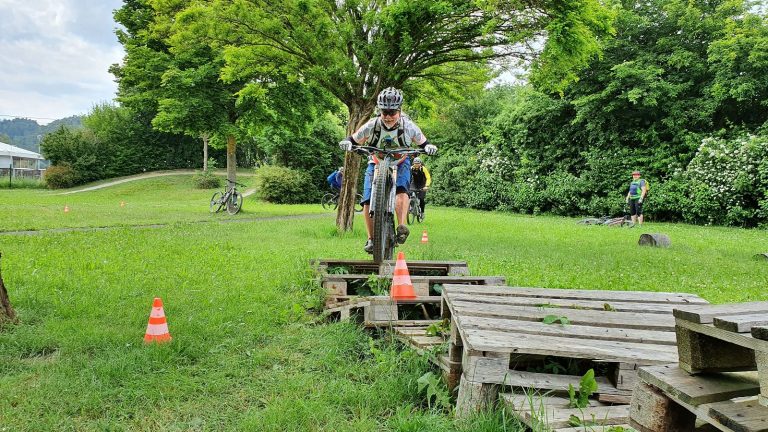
(7, 314)
(475, 397)
(653, 411)
(701, 353)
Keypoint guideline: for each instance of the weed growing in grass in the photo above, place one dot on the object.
(439, 328)
(434, 387)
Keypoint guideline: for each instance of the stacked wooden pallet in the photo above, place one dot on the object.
(722, 376)
(347, 286)
(502, 338)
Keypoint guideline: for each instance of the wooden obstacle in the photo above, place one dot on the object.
(416, 268)
(657, 240)
(382, 311)
(345, 286)
(721, 378)
(500, 337)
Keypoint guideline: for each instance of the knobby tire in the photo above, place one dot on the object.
(234, 203)
(329, 202)
(383, 223)
(216, 203)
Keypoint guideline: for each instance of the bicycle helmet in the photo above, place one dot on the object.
(390, 98)
(417, 160)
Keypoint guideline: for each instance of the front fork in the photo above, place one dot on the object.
(392, 191)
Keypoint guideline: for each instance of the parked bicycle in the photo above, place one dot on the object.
(382, 206)
(415, 214)
(330, 201)
(230, 198)
(607, 221)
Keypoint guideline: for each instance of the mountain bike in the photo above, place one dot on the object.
(330, 201)
(230, 199)
(382, 205)
(414, 209)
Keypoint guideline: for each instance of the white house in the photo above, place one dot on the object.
(17, 162)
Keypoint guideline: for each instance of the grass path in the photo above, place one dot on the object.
(153, 174)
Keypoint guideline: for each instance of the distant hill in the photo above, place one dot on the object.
(24, 133)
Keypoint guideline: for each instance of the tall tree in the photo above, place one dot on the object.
(356, 48)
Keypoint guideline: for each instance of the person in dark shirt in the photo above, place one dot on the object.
(421, 180)
(638, 189)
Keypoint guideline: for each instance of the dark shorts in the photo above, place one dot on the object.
(403, 179)
(635, 207)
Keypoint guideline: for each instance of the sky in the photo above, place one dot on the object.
(55, 56)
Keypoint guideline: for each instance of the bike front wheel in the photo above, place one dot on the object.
(358, 206)
(329, 201)
(216, 203)
(234, 203)
(413, 209)
(383, 220)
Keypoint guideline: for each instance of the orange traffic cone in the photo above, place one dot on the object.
(402, 288)
(424, 238)
(122, 203)
(66, 209)
(157, 329)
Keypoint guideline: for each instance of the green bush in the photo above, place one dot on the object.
(206, 180)
(60, 176)
(281, 185)
(21, 183)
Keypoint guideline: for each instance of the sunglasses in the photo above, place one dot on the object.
(389, 112)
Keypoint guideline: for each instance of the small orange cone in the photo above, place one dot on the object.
(157, 329)
(402, 288)
(122, 203)
(66, 209)
(424, 238)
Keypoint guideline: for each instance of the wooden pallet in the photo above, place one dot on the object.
(382, 311)
(344, 286)
(498, 332)
(552, 413)
(729, 337)
(386, 268)
(668, 399)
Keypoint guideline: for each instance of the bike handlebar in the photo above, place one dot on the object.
(367, 150)
(234, 182)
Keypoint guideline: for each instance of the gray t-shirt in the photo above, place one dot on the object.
(411, 133)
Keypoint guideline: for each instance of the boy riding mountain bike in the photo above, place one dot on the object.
(390, 129)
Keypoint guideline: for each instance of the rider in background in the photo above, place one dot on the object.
(391, 129)
(335, 179)
(420, 181)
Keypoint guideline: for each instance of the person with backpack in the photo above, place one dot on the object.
(392, 129)
(335, 179)
(420, 181)
(638, 189)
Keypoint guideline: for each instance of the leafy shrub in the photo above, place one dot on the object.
(283, 185)
(206, 180)
(60, 176)
(21, 183)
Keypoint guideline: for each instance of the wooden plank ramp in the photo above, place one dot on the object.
(341, 287)
(727, 337)
(544, 412)
(505, 336)
(416, 267)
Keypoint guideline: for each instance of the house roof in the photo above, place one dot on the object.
(9, 150)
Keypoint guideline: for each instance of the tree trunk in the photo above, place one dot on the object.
(7, 313)
(359, 113)
(231, 158)
(205, 151)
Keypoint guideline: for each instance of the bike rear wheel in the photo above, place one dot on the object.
(216, 203)
(383, 220)
(358, 206)
(234, 203)
(329, 201)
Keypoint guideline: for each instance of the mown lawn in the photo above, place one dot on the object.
(248, 351)
(155, 200)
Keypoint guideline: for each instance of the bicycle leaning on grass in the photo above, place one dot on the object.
(230, 198)
(330, 201)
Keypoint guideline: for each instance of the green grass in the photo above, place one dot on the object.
(247, 354)
(170, 199)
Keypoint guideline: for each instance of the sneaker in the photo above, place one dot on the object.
(402, 234)
(368, 246)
